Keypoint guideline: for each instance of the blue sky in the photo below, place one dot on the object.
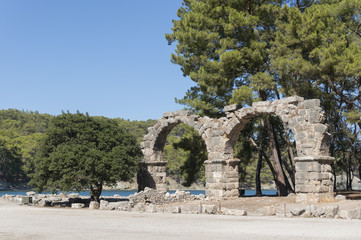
(108, 58)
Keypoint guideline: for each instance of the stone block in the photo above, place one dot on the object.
(230, 186)
(298, 211)
(306, 189)
(326, 168)
(231, 108)
(26, 200)
(340, 197)
(44, 203)
(312, 103)
(301, 176)
(160, 174)
(146, 144)
(116, 205)
(77, 205)
(327, 182)
(151, 208)
(94, 205)
(314, 116)
(324, 189)
(139, 207)
(232, 175)
(295, 100)
(261, 104)
(308, 197)
(302, 112)
(314, 167)
(298, 128)
(269, 210)
(234, 193)
(331, 211)
(321, 128)
(314, 176)
(209, 209)
(344, 214)
(235, 212)
(31, 193)
(245, 113)
(239, 212)
(302, 166)
(292, 122)
(301, 135)
(325, 176)
(103, 205)
(355, 214)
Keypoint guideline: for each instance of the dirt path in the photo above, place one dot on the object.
(24, 222)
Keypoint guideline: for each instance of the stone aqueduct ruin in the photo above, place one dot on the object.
(314, 179)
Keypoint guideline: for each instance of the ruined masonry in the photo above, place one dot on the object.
(314, 179)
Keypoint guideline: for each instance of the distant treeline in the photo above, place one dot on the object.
(21, 133)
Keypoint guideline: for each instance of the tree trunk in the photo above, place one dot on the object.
(282, 188)
(258, 173)
(96, 191)
(348, 171)
(287, 140)
(359, 168)
(265, 157)
(249, 6)
(334, 177)
(290, 153)
(284, 165)
(349, 176)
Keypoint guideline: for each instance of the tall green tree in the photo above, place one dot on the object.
(317, 54)
(10, 164)
(23, 130)
(83, 152)
(223, 46)
(240, 51)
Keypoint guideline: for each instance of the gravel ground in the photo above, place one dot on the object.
(25, 222)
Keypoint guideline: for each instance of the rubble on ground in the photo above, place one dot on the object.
(182, 202)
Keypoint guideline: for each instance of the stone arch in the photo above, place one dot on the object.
(303, 117)
(152, 172)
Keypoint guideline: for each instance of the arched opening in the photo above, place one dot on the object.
(266, 150)
(184, 153)
(174, 154)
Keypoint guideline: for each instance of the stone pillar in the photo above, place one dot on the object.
(314, 179)
(153, 176)
(222, 178)
(159, 174)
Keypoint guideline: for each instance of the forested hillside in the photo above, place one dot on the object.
(20, 135)
(22, 131)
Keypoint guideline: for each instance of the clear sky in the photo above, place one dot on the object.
(108, 58)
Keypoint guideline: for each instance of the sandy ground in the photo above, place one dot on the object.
(25, 222)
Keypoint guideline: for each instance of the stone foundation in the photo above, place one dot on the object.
(153, 175)
(222, 178)
(314, 179)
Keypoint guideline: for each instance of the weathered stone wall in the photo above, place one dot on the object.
(303, 117)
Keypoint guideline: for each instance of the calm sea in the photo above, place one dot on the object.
(108, 193)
